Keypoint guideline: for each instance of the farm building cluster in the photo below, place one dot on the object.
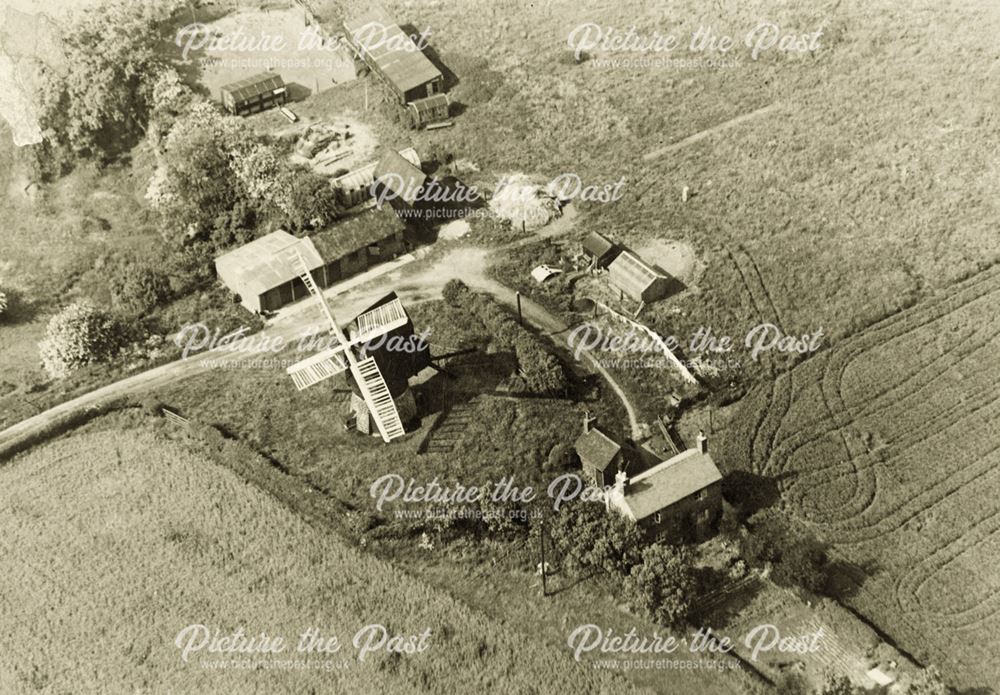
(632, 276)
(262, 274)
(674, 499)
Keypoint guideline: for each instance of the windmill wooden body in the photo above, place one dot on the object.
(351, 355)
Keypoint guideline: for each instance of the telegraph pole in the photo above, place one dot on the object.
(520, 318)
(541, 542)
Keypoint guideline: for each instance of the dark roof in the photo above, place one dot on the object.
(597, 245)
(669, 482)
(596, 448)
(350, 235)
(400, 176)
(254, 86)
(397, 57)
(396, 366)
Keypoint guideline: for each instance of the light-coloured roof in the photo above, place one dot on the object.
(631, 273)
(395, 54)
(263, 83)
(264, 263)
(544, 272)
(666, 483)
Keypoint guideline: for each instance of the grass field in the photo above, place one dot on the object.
(161, 538)
(886, 447)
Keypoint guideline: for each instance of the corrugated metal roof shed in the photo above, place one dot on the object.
(264, 263)
(397, 57)
(669, 482)
(633, 275)
(400, 175)
(264, 83)
(429, 104)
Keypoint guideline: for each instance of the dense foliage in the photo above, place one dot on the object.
(78, 335)
(662, 585)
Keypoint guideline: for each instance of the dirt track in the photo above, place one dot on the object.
(413, 284)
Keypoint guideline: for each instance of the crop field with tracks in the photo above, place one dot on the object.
(887, 447)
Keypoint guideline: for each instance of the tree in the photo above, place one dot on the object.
(596, 540)
(136, 287)
(78, 335)
(99, 104)
(662, 585)
(794, 557)
(837, 685)
(312, 203)
(455, 293)
(927, 682)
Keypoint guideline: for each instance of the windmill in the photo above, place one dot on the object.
(340, 358)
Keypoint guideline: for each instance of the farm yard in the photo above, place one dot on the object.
(885, 446)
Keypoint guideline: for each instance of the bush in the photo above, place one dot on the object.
(794, 558)
(455, 293)
(78, 335)
(661, 586)
(592, 540)
(137, 287)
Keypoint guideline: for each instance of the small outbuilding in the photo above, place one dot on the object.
(356, 186)
(432, 109)
(600, 456)
(600, 250)
(637, 279)
(262, 273)
(398, 181)
(254, 94)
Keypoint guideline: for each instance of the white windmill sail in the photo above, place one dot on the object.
(366, 373)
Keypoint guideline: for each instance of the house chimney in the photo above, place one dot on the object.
(621, 483)
(702, 442)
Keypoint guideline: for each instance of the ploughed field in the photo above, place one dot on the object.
(112, 542)
(888, 447)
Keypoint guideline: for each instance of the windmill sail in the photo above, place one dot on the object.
(379, 321)
(366, 373)
(320, 366)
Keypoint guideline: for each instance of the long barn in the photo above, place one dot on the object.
(385, 48)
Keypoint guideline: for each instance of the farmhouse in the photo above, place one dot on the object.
(356, 187)
(396, 365)
(679, 499)
(637, 279)
(254, 94)
(385, 48)
(398, 180)
(261, 273)
(600, 250)
(600, 456)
